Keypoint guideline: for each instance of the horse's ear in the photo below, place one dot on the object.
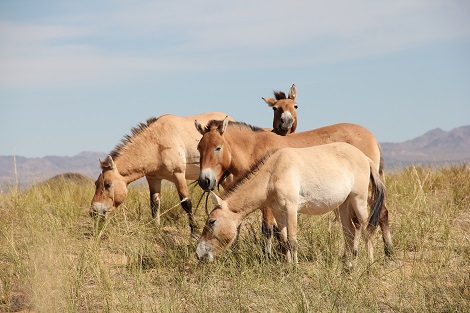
(270, 101)
(199, 127)
(107, 164)
(292, 92)
(223, 126)
(216, 199)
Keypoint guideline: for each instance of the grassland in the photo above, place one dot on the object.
(54, 258)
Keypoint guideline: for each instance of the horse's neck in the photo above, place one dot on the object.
(247, 148)
(133, 166)
(249, 196)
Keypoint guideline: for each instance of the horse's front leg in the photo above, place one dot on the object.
(287, 225)
(155, 187)
(267, 228)
(179, 180)
(292, 232)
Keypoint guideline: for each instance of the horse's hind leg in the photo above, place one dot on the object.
(155, 187)
(357, 231)
(386, 235)
(384, 226)
(349, 232)
(183, 192)
(361, 220)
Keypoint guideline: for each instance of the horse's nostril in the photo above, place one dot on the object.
(204, 183)
(93, 213)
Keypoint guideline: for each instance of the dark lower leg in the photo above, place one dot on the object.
(188, 208)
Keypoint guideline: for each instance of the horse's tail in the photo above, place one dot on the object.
(381, 164)
(378, 196)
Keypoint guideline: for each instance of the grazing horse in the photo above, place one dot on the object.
(232, 148)
(162, 148)
(285, 111)
(313, 180)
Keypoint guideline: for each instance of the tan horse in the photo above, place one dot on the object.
(232, 148)
(285, 111)
(314, 181)
(163, 148)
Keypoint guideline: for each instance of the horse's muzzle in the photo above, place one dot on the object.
(202, 254)
(98, 210)
(207, 180)
(286, 121)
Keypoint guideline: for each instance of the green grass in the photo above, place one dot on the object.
(54, 258)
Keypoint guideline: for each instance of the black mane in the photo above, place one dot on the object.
(216, 123)
(135, 131)
(279, 95)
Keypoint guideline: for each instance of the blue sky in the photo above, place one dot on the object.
(77, 75)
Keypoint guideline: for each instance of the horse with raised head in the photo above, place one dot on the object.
(232, 148)
(285, 111)
(313, 180)
(162, 148)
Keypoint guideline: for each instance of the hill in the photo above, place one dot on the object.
(34, 170)
(434, 147)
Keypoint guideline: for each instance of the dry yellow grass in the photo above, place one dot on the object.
(53, 258)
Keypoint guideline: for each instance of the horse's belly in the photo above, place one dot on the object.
(320, 205)
(315, 208)
(320, 196)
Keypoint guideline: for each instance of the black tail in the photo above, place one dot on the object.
(378, 196)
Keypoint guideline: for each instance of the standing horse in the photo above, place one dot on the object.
(163, 148)
(232, 148)
(314, 181)
(285, 111)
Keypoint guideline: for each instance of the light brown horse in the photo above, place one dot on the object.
(285, 111)
(314, 181)
(232, 148)
(163, 148)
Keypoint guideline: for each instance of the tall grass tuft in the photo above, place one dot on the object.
(55, 258)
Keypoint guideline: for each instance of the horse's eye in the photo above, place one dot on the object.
(211, 222)
(108, 185)
(296, 106)
(218, 148)
(274, 108)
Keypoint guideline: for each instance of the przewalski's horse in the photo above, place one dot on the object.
(313, 181)
(163, 148)
(232, 148)
(285, 111)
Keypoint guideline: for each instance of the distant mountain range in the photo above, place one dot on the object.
(27, 171)
(434, 147)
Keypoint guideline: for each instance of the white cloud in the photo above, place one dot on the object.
(181, 35)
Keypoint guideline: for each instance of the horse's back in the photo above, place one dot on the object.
(353, 134)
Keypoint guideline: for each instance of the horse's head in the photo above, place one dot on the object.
(285, 111)
(111, 189)
(214, 153)
(219, 232)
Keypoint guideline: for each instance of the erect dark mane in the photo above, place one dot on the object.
(249, 174)
(216, 123)
(135, 131)
(279, 95)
